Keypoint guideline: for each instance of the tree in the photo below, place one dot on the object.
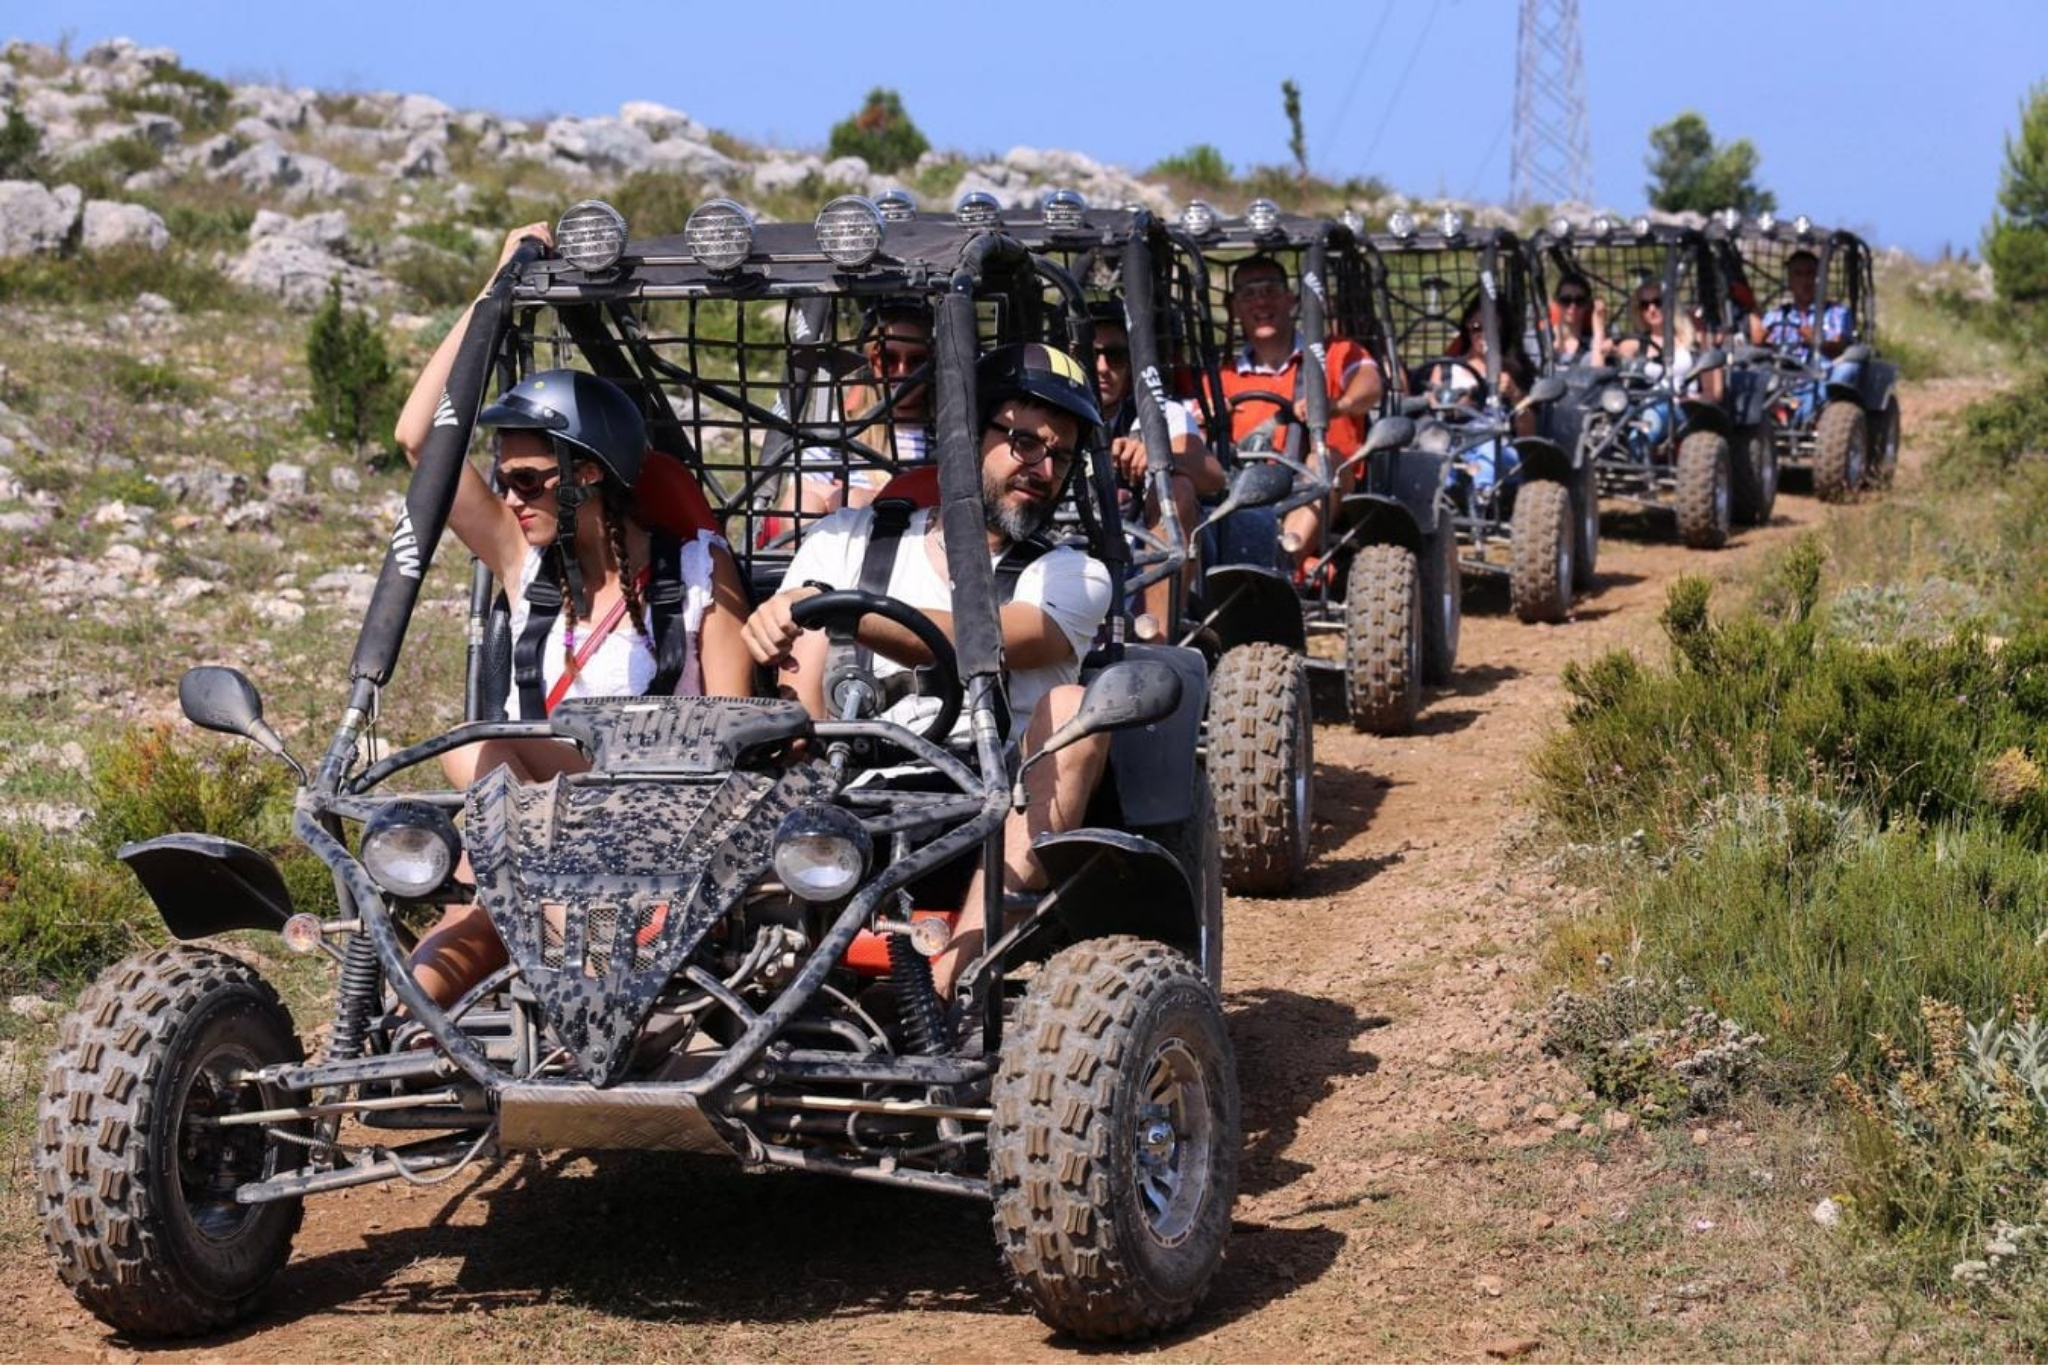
(1297, 141)
(350, 371)
(2016, 244)
(881, 134)
(1689, 171)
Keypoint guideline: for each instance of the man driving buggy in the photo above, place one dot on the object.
(1038, 413)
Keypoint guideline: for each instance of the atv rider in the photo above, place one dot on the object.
(897, 345)
(1271, 359)
(1038, 412)
(599, 605)
(1790, 328)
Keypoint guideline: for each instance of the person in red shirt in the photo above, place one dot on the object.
(1264, 308)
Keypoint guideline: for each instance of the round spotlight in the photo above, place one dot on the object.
(1401, 223)
(977, 208)
(821, 852)
(1197, 219)
(1614, 400)
(720, 234)
(410, 847)
(1066, 211)
(1731, 219)
(1767, 222)
(897, 206)
(1560, 226)
(1353, 219)
(1640, 225)
(1802, 226)
(849, 230)
(1434, 438)
(1603, 227)
(591, 235)
(1262, 216)
(1451, 224)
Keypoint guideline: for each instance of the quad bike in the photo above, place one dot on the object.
(719, 936)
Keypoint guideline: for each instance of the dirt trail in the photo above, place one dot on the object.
(1405, 1193)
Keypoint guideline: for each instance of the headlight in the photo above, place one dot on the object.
(849, 230)
(1451, 224)
(1640, 225)
(977, 208)
(720, 235)
(1401, 223)
(591, 235)
(1066, 211)
(1433, 439)
(821, 852)
(1614, 400)
(1197, 219)
(897, 206)
(410, 847)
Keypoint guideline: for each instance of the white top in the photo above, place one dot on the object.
(1068, 586)
(623, 664)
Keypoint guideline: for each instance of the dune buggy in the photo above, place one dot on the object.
(1385, 578)
(1651, 416)
(1828, 398)
(1259, 735)
(720, 936)
(1458, 301)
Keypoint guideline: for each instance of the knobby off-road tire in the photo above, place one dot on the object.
(1113, 1151)
(1585, 496)
(1541, 563)
(1383, 640)
(1755, 467)
(137, 1199)
(1262, 766)
(1443, 604)
(1884, 444)
(1841, 447)
(1706, 496)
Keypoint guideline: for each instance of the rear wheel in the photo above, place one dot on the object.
(1540, 570)
(1444, 603)
(1383, 640)
(1705, 496)
(1884, 444)
(137, 1180)
(1262, 766)
(1113, 1150)
(1585, 496)
(1755, 467)
(1841, 443)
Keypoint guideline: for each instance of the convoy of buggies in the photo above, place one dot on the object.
(719, 933)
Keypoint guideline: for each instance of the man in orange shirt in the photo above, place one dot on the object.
(1264, 307)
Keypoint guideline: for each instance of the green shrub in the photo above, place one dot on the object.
(353, 382)
(152, 781)
(149, 381)
(656, 203)
(198, 101)
(1995, 433)
(880, 133)
(117, 276)
(21, 147)
(102, 173)
(65, 912)
(1200, 166)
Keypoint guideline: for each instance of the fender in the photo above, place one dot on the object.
(1113, 882)
(1543, 459)
(1245, 605)
(1749, 391)
(1153, 766)
(1413, 478)
(203, 884)
(1703, 414)
(1369, 519)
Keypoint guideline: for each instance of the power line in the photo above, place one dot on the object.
(1365, 54)
(1394, 102)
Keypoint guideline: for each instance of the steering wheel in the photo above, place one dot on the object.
(1477, 392)
(1283, 406)
(843, 609)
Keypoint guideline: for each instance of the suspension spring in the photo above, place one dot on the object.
(924, 1018)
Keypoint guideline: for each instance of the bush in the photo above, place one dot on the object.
(65, 913)
(352, 378)
(21, 147)
(1994, 433)
(152, 781)
(881, 134)
(198, 101)
(1201, 166)
(117, 276)
(656, 203)
(103, 172)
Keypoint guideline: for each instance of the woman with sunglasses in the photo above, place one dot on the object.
(562, 532)
(1578, 321)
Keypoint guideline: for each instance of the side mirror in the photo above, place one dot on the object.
(1713, 358)
(1548, 389)
(1390, 433)
(1134, 692)
(1259, 484)
(1854, 355)
(215, 698)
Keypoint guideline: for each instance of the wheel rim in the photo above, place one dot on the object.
(1304, 771)
(1172, 1138)
(212, 1161)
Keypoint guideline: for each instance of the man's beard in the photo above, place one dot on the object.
(1012, 523)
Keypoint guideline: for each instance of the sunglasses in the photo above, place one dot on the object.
(1028, 448)
(1650, 303)
(526, 481)
(1115, 355)
(1572, 300)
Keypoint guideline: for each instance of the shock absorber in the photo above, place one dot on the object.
(924, 1018)
(361, 980)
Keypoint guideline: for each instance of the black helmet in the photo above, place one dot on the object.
(581, 410)
(1038, 372)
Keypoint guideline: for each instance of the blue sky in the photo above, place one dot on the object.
(1886, 117)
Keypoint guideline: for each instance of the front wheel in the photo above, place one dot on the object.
(1755, 469)
(1884, 444)
(1540, 573)
(1113, 1150)
(1841, 442)
(137, 1177)
(1444, 599)
(1585, 526)
(1706, 503)
(1262, 766)
(1383, 640)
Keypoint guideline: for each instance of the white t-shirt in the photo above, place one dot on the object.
(623, 665)
(1069, 587)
